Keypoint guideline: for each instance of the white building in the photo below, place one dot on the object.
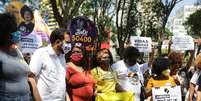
(175, 23)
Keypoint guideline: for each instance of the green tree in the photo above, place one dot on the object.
(65, 10)
(150, 22)
(163, 10)
(154, 17)
(126, 21)
(193, 24)
(102, 13)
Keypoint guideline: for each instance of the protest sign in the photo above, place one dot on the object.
(37, 38)
(167, 93)
(82, 30)
(182, 43)
(142, 43)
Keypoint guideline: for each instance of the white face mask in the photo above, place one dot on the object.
(66, 47)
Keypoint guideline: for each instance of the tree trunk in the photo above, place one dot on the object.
(160, 34)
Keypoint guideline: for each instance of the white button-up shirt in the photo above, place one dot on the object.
(50, 70)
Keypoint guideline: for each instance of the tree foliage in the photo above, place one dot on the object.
(193, 23)
(102, 13)
(65, 10)
(163, 9)
(150, 20)
(126, 20)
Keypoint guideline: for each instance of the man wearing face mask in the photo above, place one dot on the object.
(48, 65)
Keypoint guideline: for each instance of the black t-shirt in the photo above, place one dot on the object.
(26, 29)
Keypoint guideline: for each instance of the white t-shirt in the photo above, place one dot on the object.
(128, 83)
(50, 70)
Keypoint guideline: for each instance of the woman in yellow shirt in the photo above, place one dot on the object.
(106, 79)
(103, 74)
(160, 68)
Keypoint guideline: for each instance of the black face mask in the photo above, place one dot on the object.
(105, 61)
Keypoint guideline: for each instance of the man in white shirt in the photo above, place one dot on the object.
(130, 73)
(48, 66)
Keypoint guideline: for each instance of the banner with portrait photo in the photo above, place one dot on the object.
(83, 31)
(167, 93)
(37, 38)
(142, 43)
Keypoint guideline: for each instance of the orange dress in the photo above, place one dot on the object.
(80, 85)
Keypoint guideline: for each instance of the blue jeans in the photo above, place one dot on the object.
(5, 97)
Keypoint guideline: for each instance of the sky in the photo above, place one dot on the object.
(181, 4)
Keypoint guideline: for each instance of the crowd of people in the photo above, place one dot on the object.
(62, 71)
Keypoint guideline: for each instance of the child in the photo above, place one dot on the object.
(160, 68)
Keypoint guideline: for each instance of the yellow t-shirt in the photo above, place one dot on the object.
(159, 83)
(105, 80)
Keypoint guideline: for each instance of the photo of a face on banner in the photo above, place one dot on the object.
(83, 31)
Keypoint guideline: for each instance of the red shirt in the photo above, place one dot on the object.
(80, 85)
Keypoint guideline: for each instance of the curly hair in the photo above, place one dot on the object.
(160, 64)
(175, 57)
(131, 52)
(197, 61)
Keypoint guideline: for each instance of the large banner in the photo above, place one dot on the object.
(167, 93)
(142, 43)
(37, 38)
(83, 31)
(182, 43)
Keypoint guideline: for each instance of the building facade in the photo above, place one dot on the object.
(176, 23)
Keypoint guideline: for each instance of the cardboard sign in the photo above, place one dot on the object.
(182, 43)
(142, 43)
(82, 30)
(167, 93)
